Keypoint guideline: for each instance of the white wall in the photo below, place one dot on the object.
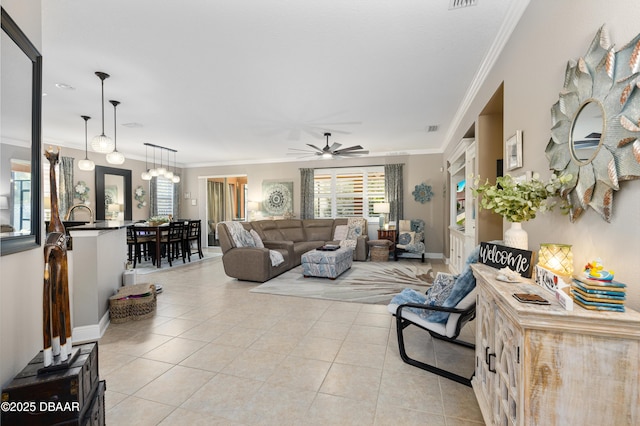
(532, 67)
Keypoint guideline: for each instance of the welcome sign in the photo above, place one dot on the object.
(497, 256)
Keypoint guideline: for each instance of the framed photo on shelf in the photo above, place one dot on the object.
(513, 151)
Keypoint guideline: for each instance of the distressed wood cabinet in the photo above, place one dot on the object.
(543, 365)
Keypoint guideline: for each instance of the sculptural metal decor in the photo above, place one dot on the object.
(56, 326)
(596, 125)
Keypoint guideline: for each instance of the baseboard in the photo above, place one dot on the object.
(438, 256)
(91, 333)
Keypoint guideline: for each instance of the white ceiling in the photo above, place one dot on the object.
(244, 80)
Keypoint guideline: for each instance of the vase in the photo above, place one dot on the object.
(516, 237)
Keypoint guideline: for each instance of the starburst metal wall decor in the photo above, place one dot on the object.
(422, 193)
(608, 79)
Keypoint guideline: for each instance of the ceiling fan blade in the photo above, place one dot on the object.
(314, 147)
(302, 150)
(351, 148)
(335, 146)
(351, 153)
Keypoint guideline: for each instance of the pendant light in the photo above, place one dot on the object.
(86, 164)
(101, 143)
(175, 178)
(154, 172)
(115, 157)
(161, 170)
(146, 175)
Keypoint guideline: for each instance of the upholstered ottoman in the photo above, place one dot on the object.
(326, 264)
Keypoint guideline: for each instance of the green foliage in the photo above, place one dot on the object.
(520, 201)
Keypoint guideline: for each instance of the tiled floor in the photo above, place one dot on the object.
(216, 354)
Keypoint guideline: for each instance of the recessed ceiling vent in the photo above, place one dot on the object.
(432, 128)
(458, 4)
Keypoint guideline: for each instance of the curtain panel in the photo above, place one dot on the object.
(393, 184)
(306, 193)
(65, 182)
(153, 204)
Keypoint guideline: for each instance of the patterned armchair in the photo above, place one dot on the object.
(410, 240)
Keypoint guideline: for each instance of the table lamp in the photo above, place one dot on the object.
(383, 209)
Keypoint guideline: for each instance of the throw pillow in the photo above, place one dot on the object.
(354, 232)
(440, 289)
(256, 239)
(340, 233)
(405, 239)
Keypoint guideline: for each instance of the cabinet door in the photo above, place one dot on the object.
(507, 344)
(485, 361)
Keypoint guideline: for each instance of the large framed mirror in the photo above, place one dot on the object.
(20, 140)
(595, 134)
(113, 194)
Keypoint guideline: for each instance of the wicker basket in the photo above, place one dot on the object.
(133, 302)
(379, 254)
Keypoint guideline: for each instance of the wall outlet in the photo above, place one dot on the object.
(194, 202)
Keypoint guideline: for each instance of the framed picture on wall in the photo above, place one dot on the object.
(513, 151)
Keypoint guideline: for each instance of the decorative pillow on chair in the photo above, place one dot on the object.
(405, 239)
(340, 233)
(354, 231)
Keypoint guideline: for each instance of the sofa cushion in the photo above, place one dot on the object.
(318, 229)
(268, 230)
(291, 230)
(340, 233)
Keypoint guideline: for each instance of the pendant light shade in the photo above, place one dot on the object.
(102, 143)
(115, 157)
(86, 164)
(146, 175)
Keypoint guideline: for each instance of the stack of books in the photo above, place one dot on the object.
(599, 295)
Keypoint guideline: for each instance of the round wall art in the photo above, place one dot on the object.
(277, 198)
(423, 193)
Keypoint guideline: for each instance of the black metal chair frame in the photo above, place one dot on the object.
(136, 248)
(402, 323)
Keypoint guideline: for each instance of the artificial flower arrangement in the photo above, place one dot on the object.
(82, 191)
(520, 201)
(158, 220)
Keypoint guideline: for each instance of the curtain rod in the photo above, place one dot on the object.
(347, 167)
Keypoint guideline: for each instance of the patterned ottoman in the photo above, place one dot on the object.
(326, 264)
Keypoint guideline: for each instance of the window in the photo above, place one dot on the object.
(164, 196)
(347, 192)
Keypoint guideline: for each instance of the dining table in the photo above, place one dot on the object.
(158, 230)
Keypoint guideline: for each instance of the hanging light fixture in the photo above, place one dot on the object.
(146, 175)
(161, 170)
(154, 172)
(115, 157)
(86, 164)
(169, 174)
(175, 178)
(101, 143)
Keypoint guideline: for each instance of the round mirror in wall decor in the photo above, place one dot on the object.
(595, 133)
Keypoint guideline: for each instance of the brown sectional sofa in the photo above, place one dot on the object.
(291, 237)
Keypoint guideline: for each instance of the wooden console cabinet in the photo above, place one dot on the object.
(74, 396)
(543, 365)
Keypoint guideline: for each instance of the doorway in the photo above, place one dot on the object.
(226, 201)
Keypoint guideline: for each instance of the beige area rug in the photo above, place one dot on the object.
(365, 282)
(146, 267)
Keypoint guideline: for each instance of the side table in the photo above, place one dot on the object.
(390, 235)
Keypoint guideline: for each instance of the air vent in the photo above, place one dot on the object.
(458, 4)
(432, 128)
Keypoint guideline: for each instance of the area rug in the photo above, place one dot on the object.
(365, 282)
(147, 267)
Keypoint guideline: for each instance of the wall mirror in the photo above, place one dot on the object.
(596, 125)
(586, 133)
(20, 147)
(113, 194)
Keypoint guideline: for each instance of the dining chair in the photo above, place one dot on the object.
(138, 244)
(173, 242)
(193, 234)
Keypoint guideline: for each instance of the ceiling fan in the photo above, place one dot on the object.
(332, 151)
